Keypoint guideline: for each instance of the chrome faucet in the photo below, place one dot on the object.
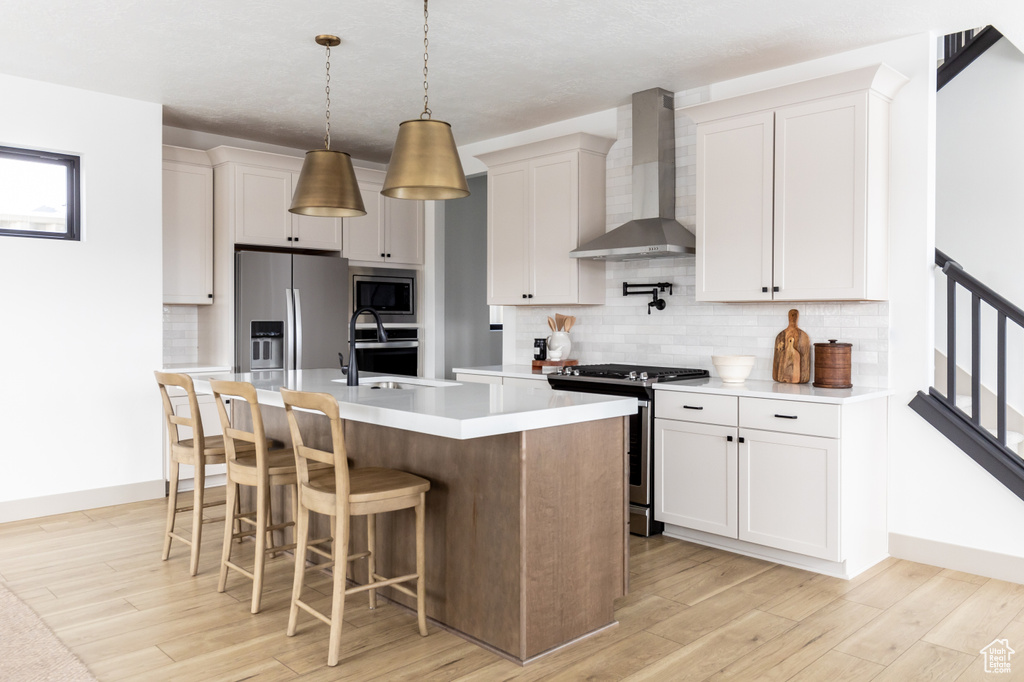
(353, 370)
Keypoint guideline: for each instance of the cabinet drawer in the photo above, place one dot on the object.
(704, 408)
(810, 419)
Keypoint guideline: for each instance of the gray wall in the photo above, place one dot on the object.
(468, 341)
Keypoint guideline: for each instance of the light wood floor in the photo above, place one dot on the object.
(692, 614)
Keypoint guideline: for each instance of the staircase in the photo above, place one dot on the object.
(958, 415)
(960, 49)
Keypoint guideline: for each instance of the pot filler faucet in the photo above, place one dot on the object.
(353, 370)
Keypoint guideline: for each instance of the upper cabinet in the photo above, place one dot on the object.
(392, 229)
(256, 188)
(187, 226)
(543, 200)
(792, 190)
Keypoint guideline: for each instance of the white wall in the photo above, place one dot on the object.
(82, 326)
(980, 202)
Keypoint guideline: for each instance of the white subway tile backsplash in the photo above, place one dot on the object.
(181, 334)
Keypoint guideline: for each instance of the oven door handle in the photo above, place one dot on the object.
(386, 344)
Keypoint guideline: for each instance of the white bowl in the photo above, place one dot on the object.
(733, 369)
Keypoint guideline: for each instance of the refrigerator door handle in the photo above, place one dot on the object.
(289, 330)
(298, 330)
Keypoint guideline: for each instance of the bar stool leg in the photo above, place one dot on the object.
(421, 565)
(371, 560)
(231, 508)
(340, 552)
(301, 537)
(262, 512)
(197, 514)
(172, 505)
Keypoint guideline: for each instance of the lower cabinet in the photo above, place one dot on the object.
(762, 489)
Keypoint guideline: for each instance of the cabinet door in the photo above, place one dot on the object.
(507, 234)
(695, 476)
(262, 198)
(403, 231)
(820, 199)
(734, 209)
(315, 232)
(188, 233)
(789, 492)
(364, 238)
(554, 229)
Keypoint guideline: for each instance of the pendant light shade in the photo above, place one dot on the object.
(327, 186)
(425, 163)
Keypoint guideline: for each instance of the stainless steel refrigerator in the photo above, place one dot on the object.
(291, 310)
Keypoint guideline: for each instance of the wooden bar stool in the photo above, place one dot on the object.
(346, 493)
(250, 462)
(199, 451)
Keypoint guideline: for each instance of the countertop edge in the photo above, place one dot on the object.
(514, 371)
(766, 389)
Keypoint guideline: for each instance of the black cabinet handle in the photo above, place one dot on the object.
(728, 439)
(289, 238)
(524, 295)
(209, 296)
(775, 288)
(295, 239)
(389, 255)
(741, 440)
(382, 255)
(764, 290)
(786, 416)
(693, 407)
(530, 296)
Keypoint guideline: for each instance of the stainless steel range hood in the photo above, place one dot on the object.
(653, 232)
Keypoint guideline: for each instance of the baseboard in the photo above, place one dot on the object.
(957, 557)
(48, 505)
(214, 481)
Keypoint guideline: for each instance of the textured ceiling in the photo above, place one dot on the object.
(250, 68)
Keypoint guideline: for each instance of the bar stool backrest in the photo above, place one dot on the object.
(327, 405)
(173, 421)
(258, 437)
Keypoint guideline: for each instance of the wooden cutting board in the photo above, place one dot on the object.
(792, 361)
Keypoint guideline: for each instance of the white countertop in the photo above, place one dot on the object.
(451, 410)
(186, 368)
(518, 371)
(755, 388)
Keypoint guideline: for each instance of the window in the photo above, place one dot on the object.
(39, 194)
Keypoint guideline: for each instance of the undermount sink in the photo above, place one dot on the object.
(394, 382)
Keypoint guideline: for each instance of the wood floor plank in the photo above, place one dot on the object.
(142, 662)
(838, 667)
(926, 662)
(966, 577)
(892, 584)
(703, 657)
(892, 633)
(450, 664)
(701, 585)
(619, 660)
(979, 619)
(792, 651)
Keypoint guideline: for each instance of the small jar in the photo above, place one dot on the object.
(832, 363)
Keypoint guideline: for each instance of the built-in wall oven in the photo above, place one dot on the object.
(391, 292)
(632, 381)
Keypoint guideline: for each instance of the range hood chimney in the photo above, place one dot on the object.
(653, 232)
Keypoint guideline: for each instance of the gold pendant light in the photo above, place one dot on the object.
(327, 184)
(425, 163)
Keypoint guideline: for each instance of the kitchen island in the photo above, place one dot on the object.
(526, 515)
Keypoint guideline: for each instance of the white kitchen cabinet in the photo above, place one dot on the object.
(789, 492)
(696, 476)
(800, 482)
(537, 381)
(792, 191)
(187, 226)
(392, 229)
(543, 200)
(257, 188)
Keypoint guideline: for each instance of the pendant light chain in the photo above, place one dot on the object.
(426, 104)
(327, 89)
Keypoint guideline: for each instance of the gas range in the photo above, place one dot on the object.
(629, 380)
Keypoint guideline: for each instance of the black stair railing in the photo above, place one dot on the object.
(1005, 312)
(960, 49)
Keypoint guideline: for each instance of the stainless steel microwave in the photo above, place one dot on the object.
(392, 293)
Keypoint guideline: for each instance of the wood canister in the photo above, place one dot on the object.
(832, 364)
